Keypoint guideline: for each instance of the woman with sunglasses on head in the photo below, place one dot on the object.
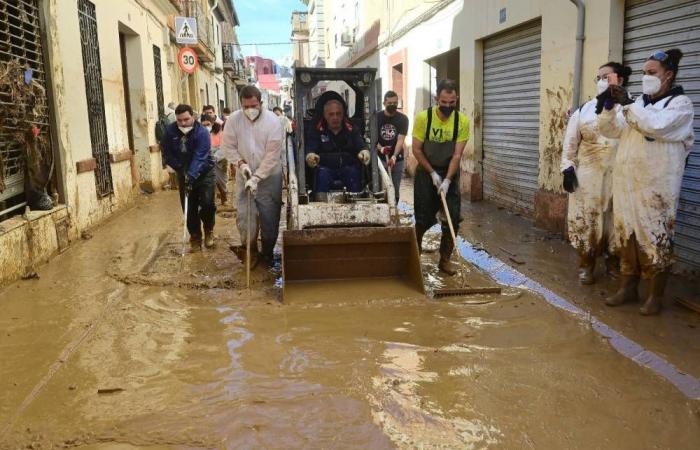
(656, 136)
(587, 164)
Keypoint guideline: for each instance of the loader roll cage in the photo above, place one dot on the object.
(361, 81)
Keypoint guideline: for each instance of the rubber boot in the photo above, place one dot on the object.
(652, 305)
(627, 292)
(208, 238)
(586, 269)
(195, 243)
(420, 231)
(446, 248)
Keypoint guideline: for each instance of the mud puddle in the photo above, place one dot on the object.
(221, 367)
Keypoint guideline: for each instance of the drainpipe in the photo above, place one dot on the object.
(580, 36)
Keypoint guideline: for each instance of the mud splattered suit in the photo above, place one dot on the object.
(655, 140)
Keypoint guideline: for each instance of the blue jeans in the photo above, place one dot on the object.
(349, 177)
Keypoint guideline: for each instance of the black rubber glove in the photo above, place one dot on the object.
(570, 180)
(601, 99)
(619, 95)
(188, 185)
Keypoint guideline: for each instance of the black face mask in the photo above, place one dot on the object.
(391, 109)
(447, 110)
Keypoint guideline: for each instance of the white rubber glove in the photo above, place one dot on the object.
(444, 186)
(437, 179)
(169, 169)
(312, 160)
(252, 185)
(364, 157)
(245, 170)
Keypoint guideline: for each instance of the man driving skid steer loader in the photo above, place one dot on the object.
(343, 232)
(335, 149)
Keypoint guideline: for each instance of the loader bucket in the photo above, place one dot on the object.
(340, 264)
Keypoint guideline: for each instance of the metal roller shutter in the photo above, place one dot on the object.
(511, 117)
(660, 25)
(20, 41)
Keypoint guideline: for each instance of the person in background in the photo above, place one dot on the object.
(286, 132)
(186, 149)
(208, 110)
(439, 137)
(656, 136)
(393, 128)
(587, 165)
(226, 113)
(221, 164)
(252, 142)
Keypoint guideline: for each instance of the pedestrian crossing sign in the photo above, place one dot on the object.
(185, 30)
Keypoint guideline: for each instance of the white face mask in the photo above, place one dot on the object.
(185, 130)
(251, 113)
(650, 84)
(602, 86)
(208, 128)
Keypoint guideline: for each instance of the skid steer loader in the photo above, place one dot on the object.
(339, 242)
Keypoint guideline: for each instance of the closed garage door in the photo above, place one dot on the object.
(660, 25)
(511, 118)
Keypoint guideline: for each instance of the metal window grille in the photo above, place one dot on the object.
(95, 97)
(20, 41)
(159, 81)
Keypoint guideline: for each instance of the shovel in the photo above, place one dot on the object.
(184, 233)
(247, 244)
(463, 290)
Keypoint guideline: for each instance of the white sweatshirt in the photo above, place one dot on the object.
(258, 143)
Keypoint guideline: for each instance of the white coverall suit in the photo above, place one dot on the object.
(259, 144)
(590, 218)
(655, 141)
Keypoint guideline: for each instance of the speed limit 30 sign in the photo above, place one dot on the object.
(187, 59)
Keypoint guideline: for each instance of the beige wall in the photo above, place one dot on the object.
(465, 25)
(70, 103)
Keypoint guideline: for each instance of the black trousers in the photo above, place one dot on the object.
(201, 206)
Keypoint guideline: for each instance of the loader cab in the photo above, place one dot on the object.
(356, 87)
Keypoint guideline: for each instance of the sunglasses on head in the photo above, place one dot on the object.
(659, 56)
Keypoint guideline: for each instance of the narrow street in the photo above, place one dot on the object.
(133, 350)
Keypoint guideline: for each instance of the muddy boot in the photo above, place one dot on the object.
(586, 270)
(195, 243)
(446, 247)
(208, 238)
(612, 266)
(420, 231)
(652, 305)
(627, 292)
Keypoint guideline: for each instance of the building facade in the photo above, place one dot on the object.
(514, 62)
(101, 73)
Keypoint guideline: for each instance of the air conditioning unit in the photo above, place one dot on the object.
(347, 38)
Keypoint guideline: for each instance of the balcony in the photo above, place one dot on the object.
(233, 62)
(205, 47)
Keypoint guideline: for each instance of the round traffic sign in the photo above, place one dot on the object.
(187, 59)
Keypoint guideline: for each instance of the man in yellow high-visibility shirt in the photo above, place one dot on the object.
(439, 137)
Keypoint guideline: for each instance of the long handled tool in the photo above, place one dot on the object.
(184, 232)
(463, 290)
(247, 244)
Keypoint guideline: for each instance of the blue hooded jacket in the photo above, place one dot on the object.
(197, 160)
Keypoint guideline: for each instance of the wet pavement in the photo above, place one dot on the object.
(122, 343)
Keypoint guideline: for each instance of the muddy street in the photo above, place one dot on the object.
(117, 346)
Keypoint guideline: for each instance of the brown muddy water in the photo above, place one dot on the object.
(115, 348)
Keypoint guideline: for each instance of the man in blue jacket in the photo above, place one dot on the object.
(186, 149)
